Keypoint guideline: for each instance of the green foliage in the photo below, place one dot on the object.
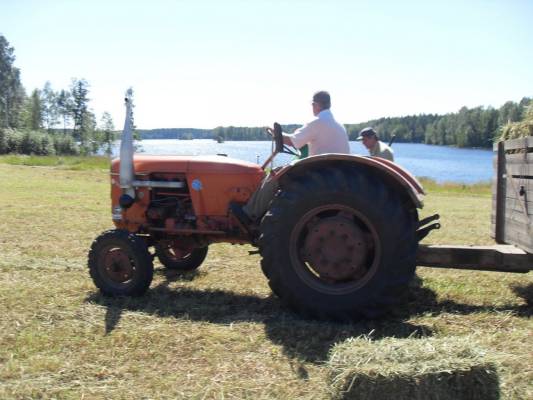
(64, 105)
(35, 110)
(80, 89)
(474, 127)
(469, 127)
(49, 107)
(36, 142)
(12, 94)
(107, 135)
(29, 142)
(64, 144)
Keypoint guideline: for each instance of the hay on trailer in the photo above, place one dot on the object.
(428, 368)
(524, 128)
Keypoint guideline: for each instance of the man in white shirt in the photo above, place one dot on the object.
(375, 147)
(322, 135)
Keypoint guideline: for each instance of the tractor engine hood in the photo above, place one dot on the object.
(147, 164)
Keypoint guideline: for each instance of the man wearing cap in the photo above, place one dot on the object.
(375, 146)
(323, 135)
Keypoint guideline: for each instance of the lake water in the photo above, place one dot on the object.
(443, 164)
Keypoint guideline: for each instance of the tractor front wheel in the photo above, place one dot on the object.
(177, 258)
(120, 264)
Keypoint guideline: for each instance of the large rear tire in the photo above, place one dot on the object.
(339, 244)
(120, 264)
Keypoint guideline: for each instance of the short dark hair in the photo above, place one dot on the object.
(323, 99)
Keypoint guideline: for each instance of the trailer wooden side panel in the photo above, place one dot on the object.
(512, 211)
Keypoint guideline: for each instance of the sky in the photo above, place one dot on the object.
(202, 64)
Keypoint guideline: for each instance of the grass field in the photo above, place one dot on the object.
(217, 333)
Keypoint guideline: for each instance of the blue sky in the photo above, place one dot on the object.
(248, 63)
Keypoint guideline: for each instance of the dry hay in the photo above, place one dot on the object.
(427, 368)
(516, 130)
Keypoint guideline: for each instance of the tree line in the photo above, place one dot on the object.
(469, 127)
(47, 121)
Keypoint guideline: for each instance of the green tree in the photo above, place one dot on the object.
(12, 93)
(49, 106)
(80, 113)
(64, 106)
(107, 127)
(35, 111)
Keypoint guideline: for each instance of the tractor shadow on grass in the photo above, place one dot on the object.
(301, 340)
(422, 300)
(305, 340)
(526, 293)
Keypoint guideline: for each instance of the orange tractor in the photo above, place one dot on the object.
(339, 240)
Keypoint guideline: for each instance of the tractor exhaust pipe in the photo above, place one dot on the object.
(127, 173)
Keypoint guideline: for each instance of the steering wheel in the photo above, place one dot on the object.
(277, 137)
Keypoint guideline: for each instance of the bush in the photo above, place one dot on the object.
(65, 145)
(36, 143)
(3, 141)
(14, 141)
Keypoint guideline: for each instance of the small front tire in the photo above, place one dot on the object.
(178, 259)
(120, 264)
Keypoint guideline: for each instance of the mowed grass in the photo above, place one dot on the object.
(62, 162)
(219, 332)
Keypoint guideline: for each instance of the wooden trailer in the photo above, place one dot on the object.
(512, 218)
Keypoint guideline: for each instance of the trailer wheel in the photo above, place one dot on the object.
(179, 259)
(120, 264)
(338, 244)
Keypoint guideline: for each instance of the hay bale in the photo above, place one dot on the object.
(516, 130)
(427, 368)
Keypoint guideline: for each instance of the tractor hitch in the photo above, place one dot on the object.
(423, 227)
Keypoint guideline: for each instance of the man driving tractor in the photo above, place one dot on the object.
(323, 135)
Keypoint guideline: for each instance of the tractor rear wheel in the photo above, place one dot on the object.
(339, 244)
(173, 257)
(120, 264)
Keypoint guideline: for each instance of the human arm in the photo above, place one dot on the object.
(301, 136)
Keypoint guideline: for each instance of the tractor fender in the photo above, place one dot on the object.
(387, 170)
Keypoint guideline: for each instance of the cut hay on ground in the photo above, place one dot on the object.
(426, 368)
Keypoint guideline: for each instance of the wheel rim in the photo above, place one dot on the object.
(335, 249)
(116, 266)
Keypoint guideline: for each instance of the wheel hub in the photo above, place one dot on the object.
(118, 265)
(336, 249)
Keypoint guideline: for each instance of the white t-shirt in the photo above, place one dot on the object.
(323, 135)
